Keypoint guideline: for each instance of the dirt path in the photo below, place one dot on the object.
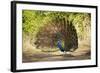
(50, 57)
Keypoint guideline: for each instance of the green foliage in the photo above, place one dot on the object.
(32, 20)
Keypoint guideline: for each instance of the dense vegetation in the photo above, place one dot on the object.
(47, 24)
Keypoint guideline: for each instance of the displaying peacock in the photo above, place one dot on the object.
(61, 35)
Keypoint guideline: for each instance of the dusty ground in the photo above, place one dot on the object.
(50, 57)
(31, 54)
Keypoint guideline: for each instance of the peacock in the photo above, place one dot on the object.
(59, 43)
(60, 46)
